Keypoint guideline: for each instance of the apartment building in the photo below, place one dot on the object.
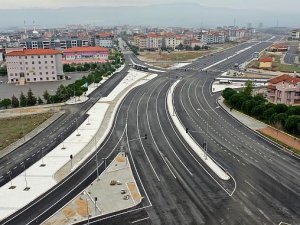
(81, 55)
(172, 41)
(103, 40)
(58, 43)
(34, 65)
(212, 37)
(284, 89)
(140, 41)
(296, 34)
(154, 41)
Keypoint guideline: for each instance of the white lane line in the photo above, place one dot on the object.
(140, 220)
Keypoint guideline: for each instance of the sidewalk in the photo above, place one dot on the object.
(56, 165)
(262, 128)
(110, 198)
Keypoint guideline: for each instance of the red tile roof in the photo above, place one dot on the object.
(34, 52)
(86, 49)
(285, 78)
(266, 59)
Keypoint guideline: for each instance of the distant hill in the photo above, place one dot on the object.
(189, 14)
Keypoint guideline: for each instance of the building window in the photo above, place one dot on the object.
(39, 56)
(39, 62)
(25, 57)
(52, 67)
(52, 62)
(41, 73)
(46, 73)
(26, 68)
(33, 73)
(45, 56)
(41, 78)
(52, 72)
(20, 63)
(16, 74)
(26, 63)
(19, 57)
(53, 78)
(34, 79)
(27, 74)
(12, 80)
(40, 67)
(47, 78)
(32, 57)
(46, 62)
(46, 67)
(51, 56)
(28, 79)
(32, 62)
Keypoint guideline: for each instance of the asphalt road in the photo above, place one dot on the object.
(53, 135)
(176, 186)
(291, 54)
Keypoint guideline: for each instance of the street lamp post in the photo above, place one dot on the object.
(26, 188)
(10, 178)
(78, 134)
(95, 205)
(71, 160)
(43, 164)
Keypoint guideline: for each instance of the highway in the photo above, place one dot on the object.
(49, 138)
(178, 188)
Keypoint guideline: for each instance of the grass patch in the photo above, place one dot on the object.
(14, 128)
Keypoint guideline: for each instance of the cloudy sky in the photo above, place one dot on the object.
(268, 5)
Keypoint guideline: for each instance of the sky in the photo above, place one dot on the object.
(268, 5)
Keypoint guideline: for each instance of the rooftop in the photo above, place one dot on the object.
(266, 59)
(286, 78)
(34, 52)
(86, 49)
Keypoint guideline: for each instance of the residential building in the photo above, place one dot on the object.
(34, 65)
(284, 89)
(90, 54)
(172, 41)
(154, 41)
(265, 62)
(103, 40)
(140, 41)
(279, 48)
(212, 37)
(58, 43)
(296, 34)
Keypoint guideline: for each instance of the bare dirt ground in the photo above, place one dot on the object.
(289, 141)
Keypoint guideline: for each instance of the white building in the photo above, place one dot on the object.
(34, 65)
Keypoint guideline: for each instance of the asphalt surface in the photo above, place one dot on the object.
(53, 135)
(291, 54)
(177, 187)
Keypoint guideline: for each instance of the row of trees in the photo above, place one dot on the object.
(281, 116)
(190, 48)
(64, 93)
(3, 71)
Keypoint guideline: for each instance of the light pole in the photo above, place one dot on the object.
(205, 140)
(87, 206)
(71, 160)
(43, 164)
(63, 144)
(97, 163)
(11, 185)
(95, 205)
(26, 188)
(78, 134)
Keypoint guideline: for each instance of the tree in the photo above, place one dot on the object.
(40, 101)
(3, 71)
(66, 68)
(281, 108)
(94, 66)
(179, 47)
(267, 115)
(6, 102)
(23, 100)
(248, 106)
(197, 48)
(62, 93)
(15, 102)
(227, 93)
(258, 110)
(292, 123)
(86, 67)
(46, 96)
(249, 88)
(236, 100)
(31, 99)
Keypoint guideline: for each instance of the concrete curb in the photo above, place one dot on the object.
(190, 141)
(225, 109)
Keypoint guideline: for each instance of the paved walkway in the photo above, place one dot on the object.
(57, 164)
(110, 198)
(247, 120)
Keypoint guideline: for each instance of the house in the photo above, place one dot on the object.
(265, 62)
(34, 65)
(284, 89)
(81, 55)
(279, 48)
